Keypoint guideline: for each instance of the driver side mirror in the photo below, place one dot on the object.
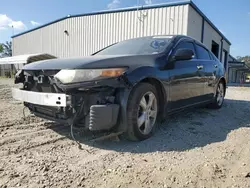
(183, 54)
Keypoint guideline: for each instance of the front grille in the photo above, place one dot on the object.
(41, 72)
(40, 81)
(45, 88)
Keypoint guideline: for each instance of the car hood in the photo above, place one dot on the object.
(90, 62)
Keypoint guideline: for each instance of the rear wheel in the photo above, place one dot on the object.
(219, 97)
(142, 112)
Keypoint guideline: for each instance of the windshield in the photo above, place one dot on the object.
(138, 46)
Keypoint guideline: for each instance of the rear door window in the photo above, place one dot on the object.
(214, 57)
(202, 53)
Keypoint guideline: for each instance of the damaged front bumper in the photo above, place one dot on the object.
(70, 109)
(94, 105)
(46, 99)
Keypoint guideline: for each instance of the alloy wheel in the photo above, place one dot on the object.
(220, 94)
(147, 113)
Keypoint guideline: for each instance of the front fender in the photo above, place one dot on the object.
(141, 73)
(122, 97)
(158, 78)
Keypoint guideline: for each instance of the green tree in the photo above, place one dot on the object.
(245, 59)
(1, 48)
(6, 49)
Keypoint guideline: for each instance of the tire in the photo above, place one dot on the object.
(219, 97)
(142, 112)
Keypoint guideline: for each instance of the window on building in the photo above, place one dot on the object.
(202, 53)
(215, 49)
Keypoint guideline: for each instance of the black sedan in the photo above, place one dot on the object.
(126, 87)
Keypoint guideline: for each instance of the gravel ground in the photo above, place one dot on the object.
(198, 148)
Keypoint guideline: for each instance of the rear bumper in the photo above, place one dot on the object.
(45, 99)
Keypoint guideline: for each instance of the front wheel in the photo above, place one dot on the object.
(219, 97)
(142, 112)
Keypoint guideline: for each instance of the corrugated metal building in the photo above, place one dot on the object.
(81, 35)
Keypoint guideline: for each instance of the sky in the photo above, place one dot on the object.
(231, 17)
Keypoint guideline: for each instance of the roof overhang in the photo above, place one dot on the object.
(239, 66)
(236, 64)
(25, 59)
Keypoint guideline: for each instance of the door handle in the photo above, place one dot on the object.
(215, 66)
(199, 67)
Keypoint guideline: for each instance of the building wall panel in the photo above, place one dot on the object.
(210, 34)
(88, 34)
(194, 24)
(226, 46)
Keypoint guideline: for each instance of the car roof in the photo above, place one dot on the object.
(167, 36)
(180, 37)
(176, 38)
(183, 37)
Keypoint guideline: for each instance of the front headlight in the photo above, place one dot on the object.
(82, 75)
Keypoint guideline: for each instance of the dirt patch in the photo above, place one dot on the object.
(198, 148)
